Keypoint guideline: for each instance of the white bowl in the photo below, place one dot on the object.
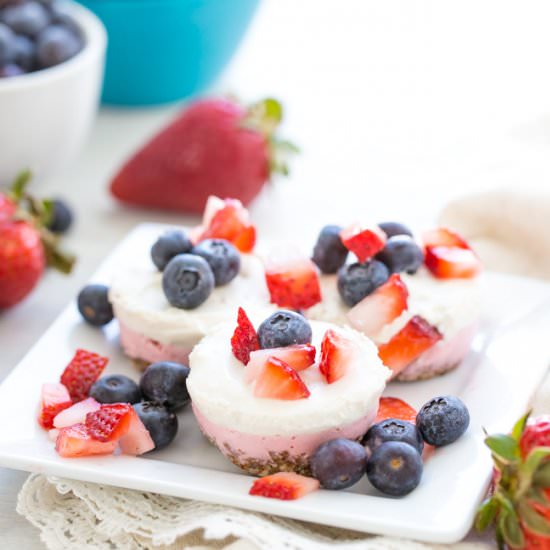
(45, 116)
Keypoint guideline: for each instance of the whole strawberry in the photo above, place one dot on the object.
(214, 147)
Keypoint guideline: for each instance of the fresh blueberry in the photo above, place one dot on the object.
(355, 281)
(284, 328)
(11, 69)
(29, 18)
(339, 463)
(8, 49)
(166, 383)
(392, 429)
(187, 281)
(169, 245)
(115, 388)
(56, 44)
(62, 217)
(93, 304)
(25, 52)
(391, 229)
(329, 253)
(161, 424)
(223, 258)
(442, 420)
(401, 253)
(395, 468)
(61, 12)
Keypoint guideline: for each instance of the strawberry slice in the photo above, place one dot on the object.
(76, 414)
(392, 407)
(442, 236)
(380, 307)
(284, 486)
(452, 262)
(408, 344)
(244, 339)
(83, 370)
(55, 398)
(364, 242)
(137, 440)
(298, 356)
(279, 381)
(110, 422)
(76, 440)
(336, 352)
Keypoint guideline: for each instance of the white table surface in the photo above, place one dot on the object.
(398, 106)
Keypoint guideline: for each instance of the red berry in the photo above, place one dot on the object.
(244, 339)
(284, 486)
(364, 242)
(336, 353)
(55, 398)
(76, 441)
(279, 381)
(452, 262)
(83, 370)
(536, 434)
(110, 422)
(7, 208)
(392, 407)
(442, 236)
(137, 440)
(298, 356)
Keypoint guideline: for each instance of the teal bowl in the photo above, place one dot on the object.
(164, 50)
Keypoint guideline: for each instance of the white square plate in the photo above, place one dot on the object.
(509, 357)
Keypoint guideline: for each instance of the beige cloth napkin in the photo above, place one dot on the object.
(511, 233)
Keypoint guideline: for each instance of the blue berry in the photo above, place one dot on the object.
(11, 69)
(401, 253)
(392, 429)
(166, 383)
(442, 420)
(56, 44)
(187, 281)
(395, 468)
(284, 328)
(391, 229)
(25, 52)
(161, 424)
(62, 217)
(115, 388)
(338, 463)
(222, 257)
(329, 253)
(355, 281)
(7, 45)
(61, 13)
(169, 245)
(94, 306)
(28, 18)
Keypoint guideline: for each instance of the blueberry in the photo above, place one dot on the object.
(166, 383)
(401, 253)
(187, 281)
(25, 52)
(93, 304)
(161, 424)
(392, 429)
(27, 18)
(169, 245)
(443, 420)
(329, 253)
(391, 229)
(115, 388)
(62, 217)
(11, 69)
(61, 12)
(222, 257)
(355, 281)
(395, 468)
(55, 45)
(284, 328)
(339, 463)
(8, 49)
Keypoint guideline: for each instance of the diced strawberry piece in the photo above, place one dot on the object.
(452, 262)
(380, 307)
(284, 486)
(83, 370)
(336, 353)
(244, 339)
(408, 344)
(76, 414)
(55, 398)
(364, 242)
(393, 407)
(52, 434)
(299, 356)
(279, 381)
(443, 236)
(110, 422)
(76, 440)
(137, 440)
(213, 204)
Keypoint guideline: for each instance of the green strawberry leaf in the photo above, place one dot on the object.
(537, 495)
(504, 447)
(19, 185)
(519, 426)
(486, 513)
(534, 521)
(510, 528)
(541, 478)
(273, 110)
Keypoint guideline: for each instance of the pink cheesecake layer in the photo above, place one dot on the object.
(138, 346)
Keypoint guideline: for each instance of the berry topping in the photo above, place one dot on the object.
(329, 252)
(110, 422)
(161, 424)
(94, 306)
(277, 380)
(76, 414)
(55, 398)
(299, 357)
(355, 281)
(137, 439)
(56, 44)
(363, 242)
(168, 245)
(61, 217)
(391, 229)
(339, 463)
(284, 328)
(408, 344)
(245, 339)
(392, 407)
(166, 383)
(535, 434)
(115, 388)
(401, 253)
(222, 257)
(284, 486)
(336, 353)
(380, 307)
(442, 420)
(76, 440)
(187, 281)
(83, 370)
(392, 429)
(452, 262)
(395, 468)
(442, 236)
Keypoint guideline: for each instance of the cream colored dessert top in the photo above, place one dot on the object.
(218, 388)
(140, 304)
